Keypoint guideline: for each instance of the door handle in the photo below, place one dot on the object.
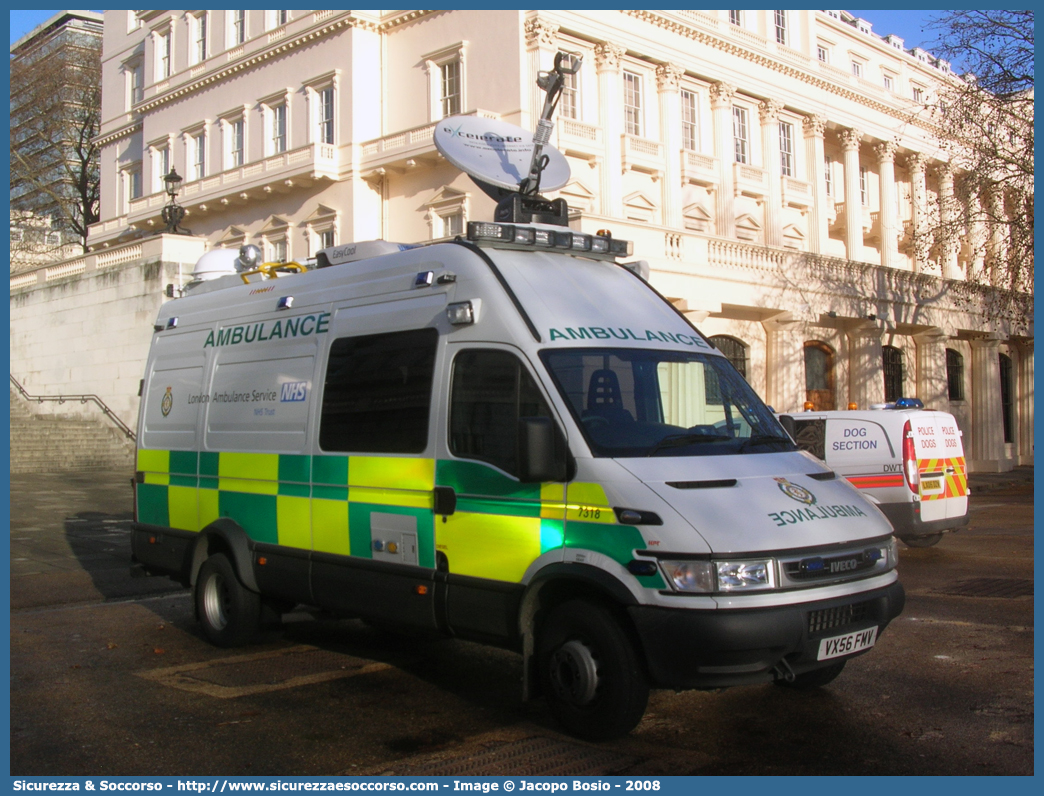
(444, 500)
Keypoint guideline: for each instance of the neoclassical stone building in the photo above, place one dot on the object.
(775, 169)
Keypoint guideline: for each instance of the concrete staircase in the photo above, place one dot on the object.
(56, 443)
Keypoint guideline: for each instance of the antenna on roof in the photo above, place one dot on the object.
(494, 154)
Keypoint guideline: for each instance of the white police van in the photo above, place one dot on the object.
(510, 438)
(906, 459)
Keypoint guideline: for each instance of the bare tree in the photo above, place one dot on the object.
(55, 116)
(986, 125)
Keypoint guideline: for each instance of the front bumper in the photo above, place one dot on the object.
(712, 649)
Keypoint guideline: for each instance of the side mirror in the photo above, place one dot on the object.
(541, 451)
(788, 425)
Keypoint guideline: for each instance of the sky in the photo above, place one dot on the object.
(907, 24)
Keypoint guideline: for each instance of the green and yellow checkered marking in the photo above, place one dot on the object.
(323, 503)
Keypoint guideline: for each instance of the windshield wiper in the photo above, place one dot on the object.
(763, 439)
(675, 440)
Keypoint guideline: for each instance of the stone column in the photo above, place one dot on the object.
(668, 79)
(986, 451)
(915, 163)
(997, 248)
(886, 169)
(769, 112)
(948, 222)
(541, 47)
(610, 116)
(850, 140)
(818, 225)
(865, 374)
(1024, 402)
(724, 206)
(977, 238)
(784, 365)
(931, 369)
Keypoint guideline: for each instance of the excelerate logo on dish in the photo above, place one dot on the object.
(795, 492)
(491, 137)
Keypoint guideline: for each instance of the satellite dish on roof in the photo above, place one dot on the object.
(498, 153)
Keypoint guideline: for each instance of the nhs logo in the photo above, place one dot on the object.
(293, 391)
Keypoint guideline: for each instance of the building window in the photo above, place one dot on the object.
(786, 149)
(234, 154)
(198, 157)
(734, 350)
(377, 393)
(1007, 394)
(632, 103)
(326, 239)
(954, 375)
(739, 134)
(277, 128)
(199, 38)
(918, 94)
(736, 18)
(135, 83)
(828, 175)
(277, 250)
(163, 52)
(889, 83)
(452, 224)
(819, 376)
(864, 194)
(160, 167)
(277, 18)
(325, 116)
(690, 129)
(823, 53)
(780, 19)
(567, 104)
(857, 69)
(451, 88)
(238, 27)
(892, 362)
(131, 187)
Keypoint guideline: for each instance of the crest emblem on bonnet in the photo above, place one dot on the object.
(795, 492)
(167, 403)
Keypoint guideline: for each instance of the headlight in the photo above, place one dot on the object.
(744, 575)
(695, 576)
(720, 576)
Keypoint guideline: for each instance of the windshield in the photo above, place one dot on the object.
(639, 402)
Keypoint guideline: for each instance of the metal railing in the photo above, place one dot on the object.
(61, 399)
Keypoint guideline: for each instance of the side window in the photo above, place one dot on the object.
(377, 397)
(491, 391)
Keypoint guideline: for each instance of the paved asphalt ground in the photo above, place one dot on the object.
(109, 674)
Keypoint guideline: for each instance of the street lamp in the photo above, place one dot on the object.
(173, 213)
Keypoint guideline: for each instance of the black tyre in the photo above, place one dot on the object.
(815, 678)
(590, 672)
(923, 541)
(229, 613)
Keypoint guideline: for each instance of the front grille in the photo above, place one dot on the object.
(827, 619)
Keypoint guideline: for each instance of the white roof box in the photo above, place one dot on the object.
(363, 250)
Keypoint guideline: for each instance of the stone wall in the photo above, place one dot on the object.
(83, 326)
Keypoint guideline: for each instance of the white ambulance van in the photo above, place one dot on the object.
(509, 438)
(907, 460)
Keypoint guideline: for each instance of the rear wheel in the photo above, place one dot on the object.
(815, 678)
(590, 671)
(923, 541)
(229, 613)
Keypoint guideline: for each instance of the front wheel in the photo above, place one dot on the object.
(923, 541)
(229, 613)
(591, 674)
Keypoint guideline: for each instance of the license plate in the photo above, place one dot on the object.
(934, 485)
(846, 645)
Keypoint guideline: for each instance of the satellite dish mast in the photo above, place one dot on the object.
(511, 164)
